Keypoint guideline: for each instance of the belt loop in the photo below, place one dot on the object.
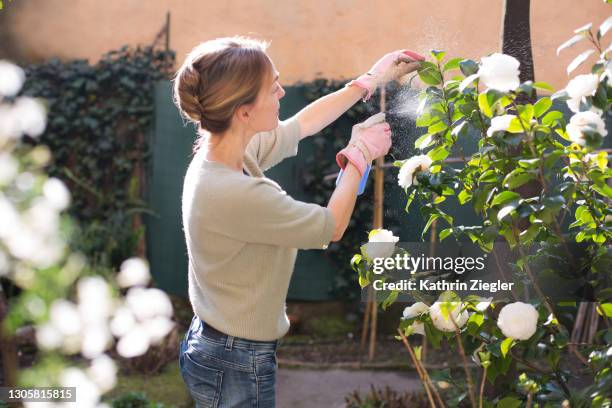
(229, 343)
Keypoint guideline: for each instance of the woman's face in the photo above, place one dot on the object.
(265, 110)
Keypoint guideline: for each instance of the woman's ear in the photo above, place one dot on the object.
(243, 114)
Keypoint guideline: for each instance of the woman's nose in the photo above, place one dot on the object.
(281, 92)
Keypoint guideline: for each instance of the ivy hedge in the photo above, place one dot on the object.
(98, 120)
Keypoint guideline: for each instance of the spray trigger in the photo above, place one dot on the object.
(362, 182)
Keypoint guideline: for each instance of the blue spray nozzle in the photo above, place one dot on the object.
(362, 182)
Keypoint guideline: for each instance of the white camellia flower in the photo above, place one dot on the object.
(133, 272)
(518, 320)
(103, 372)
(123, 321)
(381, 244)
(56, 193)
(48, 337)
(410, 168)
(9, 125)
(158, 328)
(415, 310)
(95, 339)
(31, 115)
(8, 168)
(582, 121)
(499, 123)
(12, 78)
(64, 316)
(148, 303)
(88, 393)
(500, 72)
(135, 343)
(95, 302)
(580, 87)
(444, 324)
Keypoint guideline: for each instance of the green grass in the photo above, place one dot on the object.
(167, 387)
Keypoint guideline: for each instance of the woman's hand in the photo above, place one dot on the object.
(367, 143)
(390, 67)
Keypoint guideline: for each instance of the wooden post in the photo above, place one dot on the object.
(379, 177)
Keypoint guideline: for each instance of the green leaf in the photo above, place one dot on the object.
(468, 67)
(504, 197)
(445, 233)
(517, 177)
(551, 117)
(509, 402)
(507, 210)
(605, 308)
(437, 127)
(483, 104)
(515, 126)
(390, 299)
(429, 74)
(506, 345)
(452, 64)
(464, 197)
(423, 141)
(542, 106)
(543, 86)
(526, 113)
(439, 153)
(488, 176)
(575, 39)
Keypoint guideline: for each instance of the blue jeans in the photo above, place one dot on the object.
(229, 372)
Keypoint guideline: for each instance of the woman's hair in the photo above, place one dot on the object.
(217, 77)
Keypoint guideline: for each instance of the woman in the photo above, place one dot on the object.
(242, 230)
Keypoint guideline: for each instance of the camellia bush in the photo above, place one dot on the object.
(79, 318)
(537, 177)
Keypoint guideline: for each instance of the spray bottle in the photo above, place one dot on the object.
(372, 120)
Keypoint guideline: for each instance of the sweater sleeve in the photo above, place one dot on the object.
(258, 210)
(270, 148)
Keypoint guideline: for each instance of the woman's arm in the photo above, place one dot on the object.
(325, 110)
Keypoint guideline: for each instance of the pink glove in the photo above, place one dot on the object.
(366, 144)
(380, 72)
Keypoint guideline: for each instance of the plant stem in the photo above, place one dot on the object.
(423, 371)
(482, 385)
(418, 368)
(468, 374)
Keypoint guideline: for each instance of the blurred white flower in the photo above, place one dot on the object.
(148, 303)
(133, 272)
(41, 218)
(103, 372)
(12, 78)
(56, 193)
(158, 328)
(500, 72)
(123, 321)
(518, 320)
(95, 302)
(88, 393)
(445, 324)
(410, 168)
(8, 168)
(10, 222)
(64, 316)
(582, 121)
(48, 337)
(31, 115)
(135, 343)
(415, 310)
(499, 123)
(381, 244)
(9, 124)
(95, 338)
(579, 88)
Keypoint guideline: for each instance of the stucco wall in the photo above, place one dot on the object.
(329, 38)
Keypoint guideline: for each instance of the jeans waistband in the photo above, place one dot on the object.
(203, 329)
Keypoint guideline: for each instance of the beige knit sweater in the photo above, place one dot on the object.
(242, 235)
